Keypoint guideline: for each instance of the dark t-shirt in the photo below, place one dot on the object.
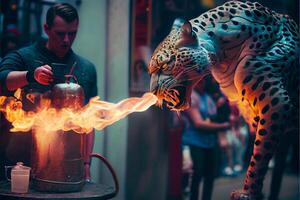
(16, 146)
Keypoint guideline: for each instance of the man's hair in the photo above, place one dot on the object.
(64, 10)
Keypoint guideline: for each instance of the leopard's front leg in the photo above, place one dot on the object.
(264, 91)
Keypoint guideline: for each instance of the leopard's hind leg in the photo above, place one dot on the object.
(262, 87)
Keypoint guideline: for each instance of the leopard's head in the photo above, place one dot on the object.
(177, 65)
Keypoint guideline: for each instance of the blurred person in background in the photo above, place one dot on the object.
(223, 114)
(30, 68)
(200, 135)
(237, 136)
(231, 140)
(9, 42)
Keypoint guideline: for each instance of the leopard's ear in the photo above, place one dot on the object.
(178, 23)
(187, 37)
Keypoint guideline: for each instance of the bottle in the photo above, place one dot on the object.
(19, 178)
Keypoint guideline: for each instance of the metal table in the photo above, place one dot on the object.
(89, 191)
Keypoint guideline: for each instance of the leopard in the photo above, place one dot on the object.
(253, 54)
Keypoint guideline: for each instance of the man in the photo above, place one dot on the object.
(37, 68)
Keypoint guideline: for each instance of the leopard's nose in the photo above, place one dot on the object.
(154, 83)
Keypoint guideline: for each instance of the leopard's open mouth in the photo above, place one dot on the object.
(175, 99)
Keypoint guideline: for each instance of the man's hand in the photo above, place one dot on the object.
(43, 74)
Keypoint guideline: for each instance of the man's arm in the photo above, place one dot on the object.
(12, 62)
(197, 120)
(199, 123)
(16, 79)
(19, 79)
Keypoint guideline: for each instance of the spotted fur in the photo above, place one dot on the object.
(252, 53)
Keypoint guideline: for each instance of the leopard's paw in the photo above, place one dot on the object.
(242, 195)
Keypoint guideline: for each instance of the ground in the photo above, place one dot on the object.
(289, 190)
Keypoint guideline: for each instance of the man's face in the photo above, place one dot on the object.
(61, 35)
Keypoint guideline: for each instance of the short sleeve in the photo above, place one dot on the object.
(194, 99)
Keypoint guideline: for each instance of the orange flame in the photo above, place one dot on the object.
(96, 114)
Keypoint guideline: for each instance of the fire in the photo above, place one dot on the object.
(96, 114)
